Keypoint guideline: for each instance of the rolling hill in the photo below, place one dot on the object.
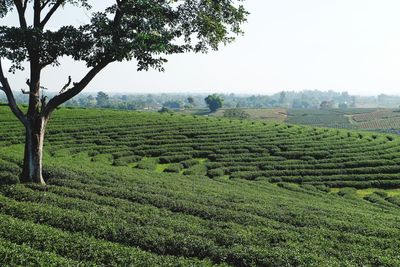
(149, 189)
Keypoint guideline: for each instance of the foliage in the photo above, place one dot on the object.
(126, 30)
(164, 110)
(172, 105)
(191, 100)
(175, 167)
(236, 113)
(102, 100)
(214, 102)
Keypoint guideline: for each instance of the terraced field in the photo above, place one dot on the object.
(379, 119)
(371, 119)
(334, 118)
(144, 189)
(261, 114)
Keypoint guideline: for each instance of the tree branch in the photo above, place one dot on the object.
(36, 13)
(45, 4)
(76, 89)
(48, 16)
(10, 97)
(66, 95)
(21, 7)
(66, 85)
(25, 5)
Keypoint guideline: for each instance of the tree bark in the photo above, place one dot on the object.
(33, 157)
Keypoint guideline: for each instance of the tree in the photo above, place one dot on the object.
(214, 102)
(164, 110)
(190, 100)
(102, 100)
(282, 98)
(172, 104)
(327, 104)
(145, 30)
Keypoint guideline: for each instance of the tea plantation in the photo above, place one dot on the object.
(149, 189)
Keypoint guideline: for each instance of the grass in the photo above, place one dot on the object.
(390, 192)
(161, 167)
(364, 192)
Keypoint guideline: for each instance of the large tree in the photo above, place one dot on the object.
(214, 102)
(141, 30)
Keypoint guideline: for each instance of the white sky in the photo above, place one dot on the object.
(351, 45)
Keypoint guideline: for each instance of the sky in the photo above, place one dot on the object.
(340, 45)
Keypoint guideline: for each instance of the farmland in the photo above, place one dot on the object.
(273, 114)
(371, 119)
(333, 118)
(145, 189)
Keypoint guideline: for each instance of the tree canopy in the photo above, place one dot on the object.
(127, 29)
(214, 102)
(102, 100)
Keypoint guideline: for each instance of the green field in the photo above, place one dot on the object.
(334, 118)
(149, 189)
(372, 119)
(271, 115)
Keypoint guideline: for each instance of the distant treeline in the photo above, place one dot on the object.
(307, 99)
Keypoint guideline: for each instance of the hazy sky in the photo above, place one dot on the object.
(351, 45)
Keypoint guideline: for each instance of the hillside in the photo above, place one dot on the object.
(148, 189)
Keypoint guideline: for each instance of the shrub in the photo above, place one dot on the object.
(174, 158)
(323, 188)
(176, 168)
(124, 161)
(382, 194)
(347, 192)
(189, 163)
(147, 164)
(215, 173)
(236, 113)
(8, 178)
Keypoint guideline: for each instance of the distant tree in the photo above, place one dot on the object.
(172, 104)
(125, 30)
(282, 98)
(190, 100)
(300, 103)
(353, 102)
(91, 101)
(343, 105)
(214, 102)
(164, 110)
(236, 113)
(327, 104)
(102, 100)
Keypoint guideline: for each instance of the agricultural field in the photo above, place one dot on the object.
(148, 189)
(273, 114)
(334, 118)
(372, 119)
(380, 119)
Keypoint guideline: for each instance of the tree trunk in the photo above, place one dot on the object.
(34, 134)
